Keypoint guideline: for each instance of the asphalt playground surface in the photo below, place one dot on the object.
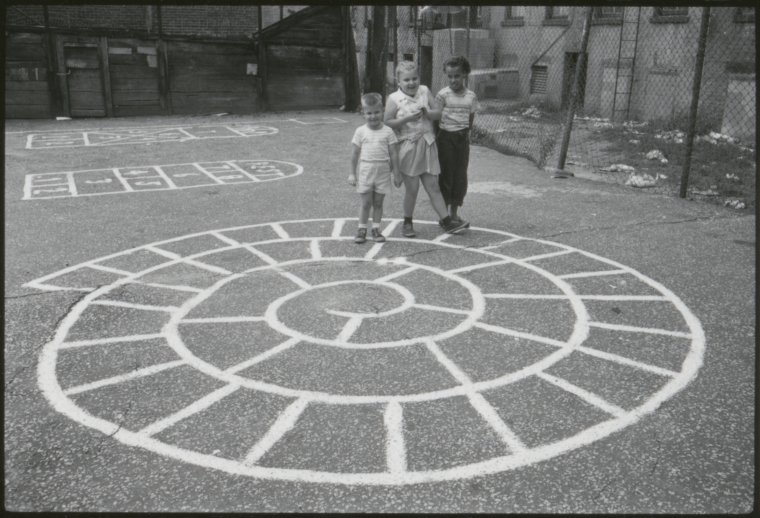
(190, 327)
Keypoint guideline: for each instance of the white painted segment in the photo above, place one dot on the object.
(233, 130)
(450, 366)
(488, 412)
(203, 170)
(626, 361)
(205, 266)
(225, 239)
(72, 184)
(349, 329)
(190, 410)
(293, 277)
(624, 297)
(218, 320)
(635, 329)
(132, 305)
(287, 344)
(479, 266)
(394, 437)
(502, 243)
(580, 275)
(442, 309)
(124, 182)
(261, 255)
(547, 255)
(279, 230)
(51, 287)
(285, 422)
(529, 296)
(396, 274)
(372, 252)
(520, 334)
(29, 139)
(441, 237)
(112, 340)
(177, 287)
(585, 395)
(391, 226)
(102, 268)
(139, 373)
(239, 169)
(86, 138)
(165, 176)
(316, 253)
(338, 227)
(165, 253)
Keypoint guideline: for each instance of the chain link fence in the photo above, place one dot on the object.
(633, 101)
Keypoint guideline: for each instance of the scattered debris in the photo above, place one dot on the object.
(634, 124)
(735, 204)
(641, 180)
(656, 154)
(722, 137)
(603, 125)
(619, 168)
(634, 141)
(532, 112)
(712, 191)
(732, 176)
(676, 136)
(579, 164)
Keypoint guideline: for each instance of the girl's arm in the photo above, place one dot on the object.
(354, 162)
(435, 109)
(472, 120)
(390, 116)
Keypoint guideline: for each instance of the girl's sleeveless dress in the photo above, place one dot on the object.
(418, 152)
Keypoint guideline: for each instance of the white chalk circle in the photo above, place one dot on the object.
(380, 309)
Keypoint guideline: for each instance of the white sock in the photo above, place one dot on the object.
(362, 225)
(375, 225)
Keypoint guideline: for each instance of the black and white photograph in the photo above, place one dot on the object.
(387, 258)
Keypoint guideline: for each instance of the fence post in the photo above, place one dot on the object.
(579, 67)
(694, 100)
(377, 46)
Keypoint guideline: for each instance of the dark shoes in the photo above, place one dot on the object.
(408, 230)
(361, 236)
(377, 237)
(455, 225)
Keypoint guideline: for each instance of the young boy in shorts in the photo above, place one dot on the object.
(458, 105)
(374, 156)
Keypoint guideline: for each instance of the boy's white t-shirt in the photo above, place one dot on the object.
(456, 108)
(374, 143)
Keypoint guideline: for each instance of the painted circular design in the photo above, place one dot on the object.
(525, 348)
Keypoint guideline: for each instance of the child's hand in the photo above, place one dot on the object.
(397, 180)
(352, 179)
(414, 116)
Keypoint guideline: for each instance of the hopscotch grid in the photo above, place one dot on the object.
(520, 334)
(635, 329)
(261, 255)
(338, 227)
(110, 340)
(547, 255)
(117, 174)
(397, 274)
(287, 344)
(109, 269)
(394, 443)
(441, 309)
(626, 361)
(165, 176)
(284, 423)
(480, 265)
(241, 170)
(316, 253)
(581, 275)
(528, 296)
(585, 395)
(136, 374)
(221, 320)
(279, 230)
(131, 305)
(350, 328)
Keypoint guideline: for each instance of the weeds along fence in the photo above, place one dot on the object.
(639, 87)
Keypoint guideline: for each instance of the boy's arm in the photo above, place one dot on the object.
(354, 162)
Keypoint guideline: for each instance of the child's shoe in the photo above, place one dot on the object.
(377, 236)
(361, 236)
(454, 227)
(408, 230)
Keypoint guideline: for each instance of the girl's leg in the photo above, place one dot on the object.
(430, 183)
(411, 187)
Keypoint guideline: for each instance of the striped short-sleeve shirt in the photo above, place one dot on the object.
(456, 108)
(374, 144)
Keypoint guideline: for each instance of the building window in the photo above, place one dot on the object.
(538, 76)
(408, 57)
(608, 14)
(744, 15)
(670, 14)
(514, 15)
(557, 15)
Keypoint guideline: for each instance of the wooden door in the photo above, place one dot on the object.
(84, 78)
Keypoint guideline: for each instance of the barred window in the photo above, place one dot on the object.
(538, 77)
(744, 15)
(608, 13)
(557, 12)
(671, 11)
(514, 12)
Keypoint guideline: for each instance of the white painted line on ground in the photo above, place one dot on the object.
(166, 178)
(479, 266)
(635, 329)
(285, 422)
(585, 395)
(528, 296)
(441, 237)
(395, 449)
(627, 361)
(203, 170)
(139, 373)
(338, 227)
(349, 329)
(547, 256)
(372, 252)
(168, 286)
(442, 309)
(294, 278)
(192, 409)
(96, 266)
(86, 138)
(279, 230)
(591, 274)
(131, 305)
(316, 253)
(391, 226)
(113, 340)
(624, 297)
(243, 171)
(497, 245)
(205, 266)
(287, 344)
(218, 320)
(124, 182)
(520, 334)
(261, 255)
(396, 274)
(225, 239)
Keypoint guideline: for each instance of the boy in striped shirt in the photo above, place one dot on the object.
(458, 105)
(375, 154)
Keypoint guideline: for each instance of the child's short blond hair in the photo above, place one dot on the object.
(372, 99)
(405, 66)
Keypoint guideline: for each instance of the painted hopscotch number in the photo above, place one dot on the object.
(150, 178)
(159, 134)
(299, 333)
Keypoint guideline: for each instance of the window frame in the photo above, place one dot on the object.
(741, 17)
(552, 18)
(658, 16)
(510, 20)
(600, 18)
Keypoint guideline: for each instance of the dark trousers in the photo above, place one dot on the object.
(453, 155)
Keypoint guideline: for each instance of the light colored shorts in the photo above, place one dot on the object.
(373, 176)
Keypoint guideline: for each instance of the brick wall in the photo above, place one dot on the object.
(209, 20)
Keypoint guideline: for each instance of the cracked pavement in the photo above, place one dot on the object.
(694, 454)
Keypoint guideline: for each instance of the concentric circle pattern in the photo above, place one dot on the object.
(286, 351)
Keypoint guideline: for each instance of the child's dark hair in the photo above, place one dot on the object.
(372, 99)
(458, 61)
